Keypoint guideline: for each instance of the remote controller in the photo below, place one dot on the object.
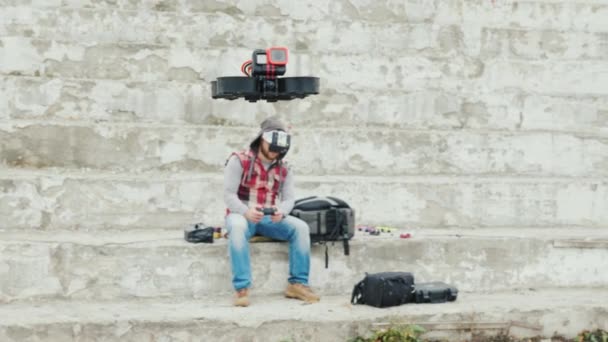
(267, 211)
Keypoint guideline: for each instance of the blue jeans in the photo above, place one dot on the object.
(290, 229)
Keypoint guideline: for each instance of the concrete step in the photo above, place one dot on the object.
(25, 56)
(534, 14)
(125, 102)
(111, 25)
(88, 200)
(274, 318)
(154, 263)
(333, 34)
(410, 11)
(539, 14)
(355, 151)
(144, 62)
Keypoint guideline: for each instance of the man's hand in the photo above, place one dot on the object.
(254, 215)
(278, 216)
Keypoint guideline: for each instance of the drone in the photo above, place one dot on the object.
(262, 81)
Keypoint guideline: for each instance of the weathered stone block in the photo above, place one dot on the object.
(558, 15)
(127, 202)
(154, 264)
(375, 152)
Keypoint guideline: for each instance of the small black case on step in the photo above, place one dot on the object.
(435, 292)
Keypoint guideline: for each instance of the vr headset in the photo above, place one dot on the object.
(278, 141)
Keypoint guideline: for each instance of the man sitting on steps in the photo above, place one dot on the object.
(255, 179)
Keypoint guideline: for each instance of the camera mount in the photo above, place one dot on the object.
(262, 80)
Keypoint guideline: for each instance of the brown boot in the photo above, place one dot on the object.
(301, 292)
(242, 298)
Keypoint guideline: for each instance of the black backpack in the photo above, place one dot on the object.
(384, 289)
(329, 219)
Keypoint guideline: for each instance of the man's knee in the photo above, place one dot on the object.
(237, 227)
(300, 227)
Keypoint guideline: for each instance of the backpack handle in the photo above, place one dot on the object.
(303, 199)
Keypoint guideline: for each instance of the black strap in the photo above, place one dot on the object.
(323, 242)
(337, 229)
(356, 297)
(340, 229)
(346, 246)
(319, 223)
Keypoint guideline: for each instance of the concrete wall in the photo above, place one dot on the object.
(463, 113)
